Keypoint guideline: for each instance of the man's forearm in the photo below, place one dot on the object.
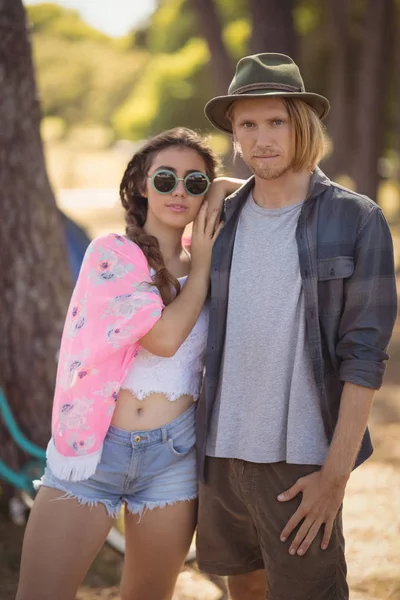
(355, 407)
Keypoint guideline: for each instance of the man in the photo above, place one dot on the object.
(303, 303)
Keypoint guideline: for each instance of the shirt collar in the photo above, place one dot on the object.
(319, 182)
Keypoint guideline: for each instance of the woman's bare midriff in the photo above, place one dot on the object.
(152, 412)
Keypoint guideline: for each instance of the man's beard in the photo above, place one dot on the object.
(269, 172)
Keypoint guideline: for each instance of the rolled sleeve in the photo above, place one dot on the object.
(370, 306)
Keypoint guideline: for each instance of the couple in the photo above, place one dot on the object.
(293, 335)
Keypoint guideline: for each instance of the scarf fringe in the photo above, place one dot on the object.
(72, 468)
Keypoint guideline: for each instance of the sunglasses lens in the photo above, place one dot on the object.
(164, 182)
(197, 184)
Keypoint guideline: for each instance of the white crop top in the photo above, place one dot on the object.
(173, 376)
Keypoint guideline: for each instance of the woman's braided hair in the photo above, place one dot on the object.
(135, 204)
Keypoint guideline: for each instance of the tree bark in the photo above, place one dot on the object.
(223, 69)
(340, 121)
(272, 27)
(372, 93)
(210, 27)
(35, 280)
(396, 123)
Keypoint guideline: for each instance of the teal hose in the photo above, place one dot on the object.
(15, 432)
(18, 480)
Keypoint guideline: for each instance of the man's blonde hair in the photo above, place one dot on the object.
(308, 134)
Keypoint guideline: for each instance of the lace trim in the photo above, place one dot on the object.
(170, 396)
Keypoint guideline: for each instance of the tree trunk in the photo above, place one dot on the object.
(372, 93)
(396, 123)
(35, 281)
(272, 27)
(210, 27)
(340, 121)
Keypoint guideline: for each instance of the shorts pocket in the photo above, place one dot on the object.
(181, 443)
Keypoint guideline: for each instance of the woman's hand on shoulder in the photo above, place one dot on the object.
(207, 225)
(206, 228)
(220, 188)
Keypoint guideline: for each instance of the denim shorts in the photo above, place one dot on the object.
(141, 469)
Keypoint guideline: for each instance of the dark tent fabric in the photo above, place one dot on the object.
(77, 242)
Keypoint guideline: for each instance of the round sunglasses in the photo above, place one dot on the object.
(165, 181)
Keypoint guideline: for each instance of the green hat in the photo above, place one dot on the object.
(260, 76)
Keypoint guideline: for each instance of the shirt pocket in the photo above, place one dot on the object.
(332, 273)
(339, 267)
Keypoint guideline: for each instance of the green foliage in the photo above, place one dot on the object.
(53, 129)
(83, 82)
(155, 77)
(236, 37)
(63, 74)
(307, 16)
(170, 27)
(51, 19)
(43, 16)
(232, 10)
(167, 93)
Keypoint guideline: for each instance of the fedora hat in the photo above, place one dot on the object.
(266, 75)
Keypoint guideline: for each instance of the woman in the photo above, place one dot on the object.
(129, 375)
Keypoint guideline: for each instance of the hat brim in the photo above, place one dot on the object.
(216, 108)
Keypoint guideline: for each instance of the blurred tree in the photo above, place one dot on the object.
(163, 72)
(170, 27)
(373, 87)
(221, 64)
(210, 26)
(232, 11)
(272, 27)
(314, 49)
(395, 105)
(35, 279)
(62, 23)
(169, 92)
(91, 85)
(341, 89)
(236, 35)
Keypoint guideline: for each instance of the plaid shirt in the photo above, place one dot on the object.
(347, 268)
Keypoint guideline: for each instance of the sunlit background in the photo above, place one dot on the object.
(111, 74)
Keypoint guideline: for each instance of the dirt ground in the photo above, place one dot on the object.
(371, 520)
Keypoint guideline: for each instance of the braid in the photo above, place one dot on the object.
(135, 204)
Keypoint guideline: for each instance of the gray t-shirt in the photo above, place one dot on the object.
(267, 406)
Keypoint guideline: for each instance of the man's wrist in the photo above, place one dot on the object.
(335, 476)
